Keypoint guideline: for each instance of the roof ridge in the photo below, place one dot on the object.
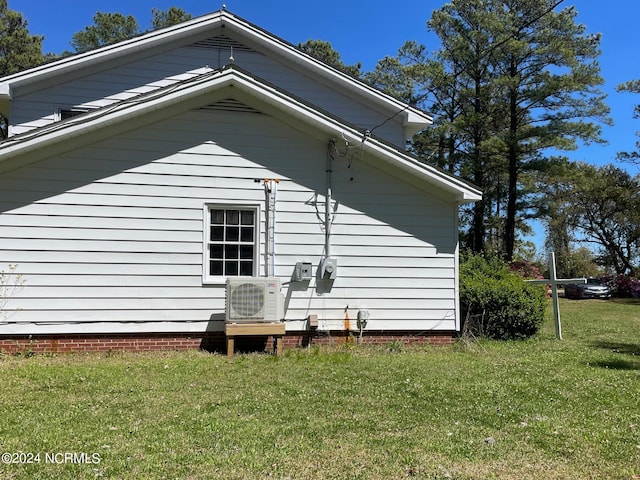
(107, 52)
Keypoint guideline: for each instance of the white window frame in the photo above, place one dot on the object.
(207, 277)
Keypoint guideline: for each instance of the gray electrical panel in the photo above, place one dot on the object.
(301, 272)
(328, 268)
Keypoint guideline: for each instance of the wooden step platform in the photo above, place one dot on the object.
(233, 330)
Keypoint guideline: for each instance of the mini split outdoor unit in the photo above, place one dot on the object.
(253, 300)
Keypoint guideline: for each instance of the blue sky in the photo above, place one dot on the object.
(367, 30)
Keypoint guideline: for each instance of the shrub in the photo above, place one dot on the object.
(512, 308)
(526, 269)
(625, 286)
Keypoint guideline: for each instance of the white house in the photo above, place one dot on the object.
(140, 176)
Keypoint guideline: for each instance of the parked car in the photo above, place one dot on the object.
(594, 288)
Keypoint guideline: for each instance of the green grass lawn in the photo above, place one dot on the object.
(540, 409)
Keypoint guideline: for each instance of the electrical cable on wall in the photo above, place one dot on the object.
(349, 152)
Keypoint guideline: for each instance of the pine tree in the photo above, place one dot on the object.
(512, 81)
(167, 18)
(108, 28)
(325, 52)
(631, 87)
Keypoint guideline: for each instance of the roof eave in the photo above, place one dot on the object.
(191, 95)
(413, 119)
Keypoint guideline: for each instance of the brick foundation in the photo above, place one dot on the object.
(212, 342)
(304, 339)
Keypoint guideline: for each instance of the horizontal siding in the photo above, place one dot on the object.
(35, 109)
(110, 236)
(351, 279)
(405, 265)
(167, 241)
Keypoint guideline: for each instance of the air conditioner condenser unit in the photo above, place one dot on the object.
(253, 300)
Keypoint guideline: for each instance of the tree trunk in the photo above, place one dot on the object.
(479, 228)
(512, 158)
(512, 198)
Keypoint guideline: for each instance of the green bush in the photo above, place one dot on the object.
(512, 308)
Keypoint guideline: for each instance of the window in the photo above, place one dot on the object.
(231, 247)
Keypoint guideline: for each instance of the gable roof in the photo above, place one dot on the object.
(217, 85)
(200, 29)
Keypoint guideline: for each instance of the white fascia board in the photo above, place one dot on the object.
(202, 90)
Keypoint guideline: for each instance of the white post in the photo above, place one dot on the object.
(554, 295)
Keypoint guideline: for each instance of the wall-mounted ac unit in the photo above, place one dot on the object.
(254, 299)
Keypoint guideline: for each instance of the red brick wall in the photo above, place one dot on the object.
(214, 342)
(105, 343)
(303, 339)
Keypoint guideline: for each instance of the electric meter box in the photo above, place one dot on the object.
(301, 272)
(328, 268)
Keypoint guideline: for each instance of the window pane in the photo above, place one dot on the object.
(246, 234)
(217, 233)
(246, 252)
(246, 268)
(231, 268)
(215, 268)
(233, 217)
(216, 251)
(231, 251)
(247, 217)
(217, 217)
(233, 234)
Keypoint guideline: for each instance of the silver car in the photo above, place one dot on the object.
(592, 289)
